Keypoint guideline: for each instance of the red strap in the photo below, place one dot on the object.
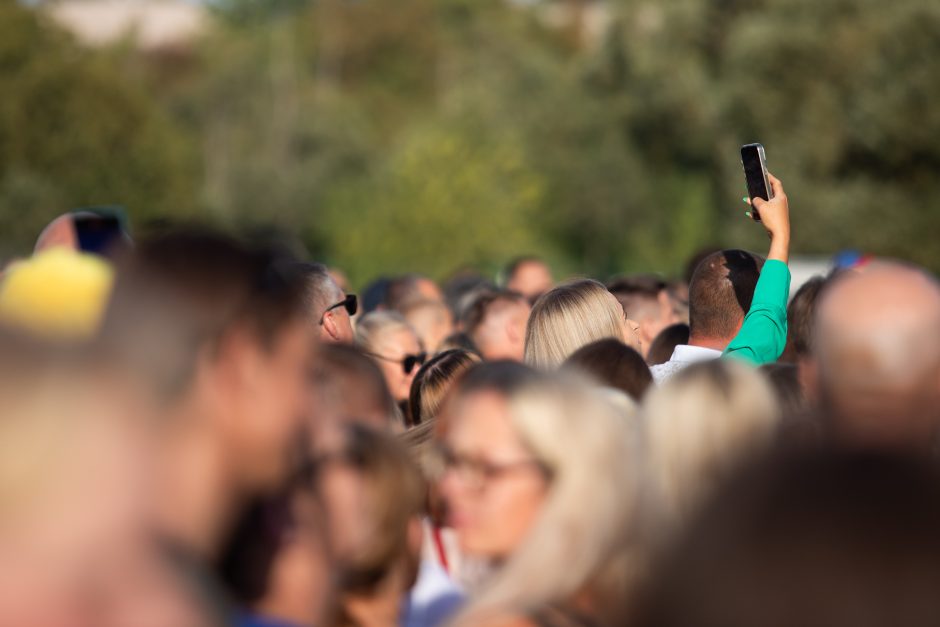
(439, 545)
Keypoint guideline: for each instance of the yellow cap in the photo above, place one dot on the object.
(58, 294)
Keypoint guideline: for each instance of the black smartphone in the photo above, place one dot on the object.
(98, 230)
(755, 173)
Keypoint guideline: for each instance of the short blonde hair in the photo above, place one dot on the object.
(587, 439)
(568, 317)
(699, 425)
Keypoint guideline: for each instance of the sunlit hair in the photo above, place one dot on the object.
(568, 317)
(433, 381)
(374, 325)
(699, 425)
(587, 440)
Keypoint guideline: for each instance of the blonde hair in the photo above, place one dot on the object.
(377, 323)
(587, 439)
(568, 317)
(698, 426)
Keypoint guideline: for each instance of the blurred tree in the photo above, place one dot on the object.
(74, 131)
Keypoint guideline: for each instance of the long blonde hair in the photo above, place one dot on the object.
(587, 438)
(568, 317)
(698, 426)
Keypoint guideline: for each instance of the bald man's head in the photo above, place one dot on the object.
(878, 355)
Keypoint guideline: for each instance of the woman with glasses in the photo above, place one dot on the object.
(542, 482)
(395, 347)
(573, 315)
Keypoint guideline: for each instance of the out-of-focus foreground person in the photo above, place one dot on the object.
(496, 322)
(76, 471)
(542, 480)
(350, 387)
(395, 347)
(828, 541)
(877, 369)
(700, 425)
(737, 301)
(570, 316)
(213, 335)
(529, 276)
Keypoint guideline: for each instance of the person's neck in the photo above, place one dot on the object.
(195, 497)
(382, 607)
(717, 344)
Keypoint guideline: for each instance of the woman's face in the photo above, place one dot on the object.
(631, 328)
(392, 347)
(493, 486)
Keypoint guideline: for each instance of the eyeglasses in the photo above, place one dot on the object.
(477, 473)
(408, 362)
(351, 303)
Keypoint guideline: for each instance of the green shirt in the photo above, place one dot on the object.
(764, 333)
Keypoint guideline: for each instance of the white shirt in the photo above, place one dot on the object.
(682, 357)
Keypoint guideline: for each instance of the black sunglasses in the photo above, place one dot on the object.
(408, 362)
(351, 303)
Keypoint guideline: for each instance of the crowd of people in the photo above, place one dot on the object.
(198, 430)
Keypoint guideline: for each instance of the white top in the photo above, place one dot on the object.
(683, 356)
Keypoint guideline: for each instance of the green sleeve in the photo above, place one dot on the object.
(764, 333)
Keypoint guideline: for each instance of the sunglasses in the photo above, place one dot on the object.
(408, 362)
(351, 303)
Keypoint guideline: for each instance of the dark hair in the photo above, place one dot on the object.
(614, 364)
(181, 290)
(475, 314)
(459, 290)
(502, 377)
(353, 379)
(801, 320)
(374, 294)
(432, 382)
(818, 540)
(459, 340)
(721, 291)
(665, 343)
(645, 285)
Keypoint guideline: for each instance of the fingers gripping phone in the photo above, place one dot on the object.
(754, 162)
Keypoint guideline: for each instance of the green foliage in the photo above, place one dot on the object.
(394, 135)
(74, 131)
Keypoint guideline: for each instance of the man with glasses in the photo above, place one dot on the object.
(328, 307)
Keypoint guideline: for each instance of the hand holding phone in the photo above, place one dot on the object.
(775, 218)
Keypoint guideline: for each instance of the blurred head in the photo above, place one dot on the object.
(75, 480)
(529, 276)
(496, 323)
(570, 316)
(645, 300)
(877, 345)
(395, 347)
(665, 343)
(834, 541)
(434, 380)
(542, 477)
(328, 307)
(785, 380)
(801, 319)
(213, 331)
(374, 496)
(350, 387)
(699, 425)
(431, 320)
(720, 296)
(614, 364)
(409, 288)
(58, 294)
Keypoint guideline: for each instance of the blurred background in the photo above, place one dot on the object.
(430, 135)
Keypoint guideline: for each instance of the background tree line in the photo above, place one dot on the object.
(393, 135)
